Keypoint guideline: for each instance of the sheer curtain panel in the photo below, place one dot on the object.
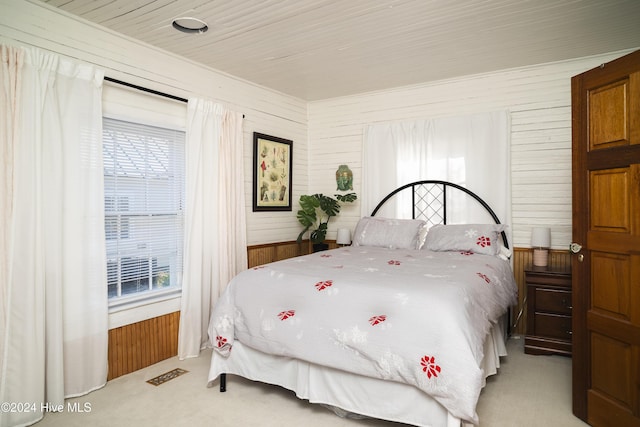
(215, 227)
(472, 151)
(54, 307)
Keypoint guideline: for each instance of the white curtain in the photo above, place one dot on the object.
(472, 151)
(54, 301)
(215, 226)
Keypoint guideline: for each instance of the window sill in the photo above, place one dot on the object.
(126, 312)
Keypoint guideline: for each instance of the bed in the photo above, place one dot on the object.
(403, 325)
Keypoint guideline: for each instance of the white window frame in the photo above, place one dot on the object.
(130, 105)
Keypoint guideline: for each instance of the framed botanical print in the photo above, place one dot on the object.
(271, 173)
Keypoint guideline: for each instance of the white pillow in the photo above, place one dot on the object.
(477, 238)
(388, 233)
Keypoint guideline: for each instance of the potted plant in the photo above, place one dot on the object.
(316, 211)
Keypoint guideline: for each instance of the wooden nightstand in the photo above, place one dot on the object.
(548, 311)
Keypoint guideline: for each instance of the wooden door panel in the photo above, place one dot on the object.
(635, 297)
(609, 242)
(610, 200)
(605, 412)
(611, 285)
(634, 207)
(611, 370)
(614, 328)
(609, 101)
(634, 108)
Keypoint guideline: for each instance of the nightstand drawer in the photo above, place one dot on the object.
(553, 326)
(553, 301)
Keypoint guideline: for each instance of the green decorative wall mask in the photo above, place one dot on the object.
(344, 178)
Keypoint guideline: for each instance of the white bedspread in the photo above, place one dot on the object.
(416, 317)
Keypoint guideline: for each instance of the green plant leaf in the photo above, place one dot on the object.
(315, 212)
(329, 205)
(306, 219)
(347, 198)
(309, 204)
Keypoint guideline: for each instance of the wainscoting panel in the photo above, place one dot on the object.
(264, 254)
(142, 344)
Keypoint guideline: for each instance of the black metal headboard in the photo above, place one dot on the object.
(429, 201)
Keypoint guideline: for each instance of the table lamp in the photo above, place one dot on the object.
(541, 242)
(344, 236)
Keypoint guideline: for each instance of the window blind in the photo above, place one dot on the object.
(144, 201)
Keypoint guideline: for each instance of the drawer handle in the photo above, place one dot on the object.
(569, 332)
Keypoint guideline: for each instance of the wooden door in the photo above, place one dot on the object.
(606, 223)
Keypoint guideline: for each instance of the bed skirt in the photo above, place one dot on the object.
(347, 393)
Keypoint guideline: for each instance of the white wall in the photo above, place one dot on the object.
(539, 99)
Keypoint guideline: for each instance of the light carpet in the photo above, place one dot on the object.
(528, 391)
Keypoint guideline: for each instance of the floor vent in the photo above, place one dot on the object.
(160, 379)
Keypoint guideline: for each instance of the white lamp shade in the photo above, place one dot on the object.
(344, 236)
(541, 237)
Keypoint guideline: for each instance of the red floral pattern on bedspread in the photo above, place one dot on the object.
(484, 277)
(284, 315)
(321, 286)
(429, 366)
(220, 341)
(393, 262)
(377, 319)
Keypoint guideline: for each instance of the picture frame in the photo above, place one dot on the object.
(272, 173)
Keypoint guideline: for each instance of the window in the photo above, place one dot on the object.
(144, 200)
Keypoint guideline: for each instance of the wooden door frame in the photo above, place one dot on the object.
(580, 294)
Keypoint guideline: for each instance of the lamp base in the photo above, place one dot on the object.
(540, 257)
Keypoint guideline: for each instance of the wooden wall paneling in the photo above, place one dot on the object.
(290, 250)
(152, 349)
(128, 348)
(159, 342)
(142, 344)
(264, 254)
(175, 326)
(111, 354)
(259, 255)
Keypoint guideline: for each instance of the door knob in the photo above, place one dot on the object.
(575, 247)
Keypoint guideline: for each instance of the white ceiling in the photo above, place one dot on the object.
(317, 49)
